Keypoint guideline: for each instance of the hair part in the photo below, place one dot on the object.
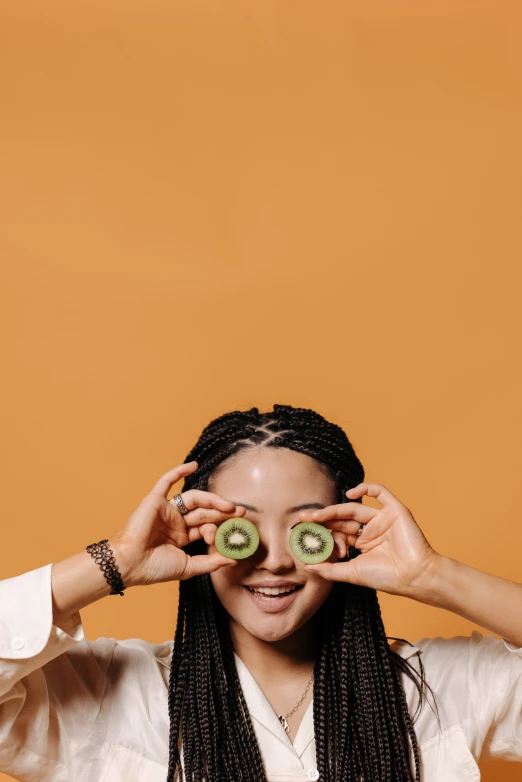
(363, 729)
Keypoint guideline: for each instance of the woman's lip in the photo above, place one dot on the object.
(270, 584)
(273, 603)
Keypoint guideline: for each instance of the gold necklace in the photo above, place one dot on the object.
(282, 717)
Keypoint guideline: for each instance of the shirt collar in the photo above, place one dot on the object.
(405, 649)
(260, 709)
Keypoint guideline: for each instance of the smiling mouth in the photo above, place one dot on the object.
(271, 592)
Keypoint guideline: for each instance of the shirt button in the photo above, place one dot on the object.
(17, 643)
(312, 774)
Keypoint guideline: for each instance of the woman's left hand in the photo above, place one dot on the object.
(395, 555)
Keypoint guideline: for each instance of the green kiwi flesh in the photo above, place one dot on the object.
(311, 543)
(237, 538)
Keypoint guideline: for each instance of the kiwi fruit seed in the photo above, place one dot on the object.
(311, 543)
(237, 538)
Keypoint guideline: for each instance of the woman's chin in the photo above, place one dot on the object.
(270, 634)
(270, 627)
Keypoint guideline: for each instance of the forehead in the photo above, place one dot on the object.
(273, 476)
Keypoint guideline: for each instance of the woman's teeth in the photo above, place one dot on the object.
(273, 590)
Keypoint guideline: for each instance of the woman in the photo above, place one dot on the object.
(279, 670)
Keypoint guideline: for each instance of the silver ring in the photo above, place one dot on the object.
(178, 499)
(360, 530)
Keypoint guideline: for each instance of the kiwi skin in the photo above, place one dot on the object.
(243, 528)
(306, 554)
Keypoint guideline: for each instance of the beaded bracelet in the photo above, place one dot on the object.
(104, 557)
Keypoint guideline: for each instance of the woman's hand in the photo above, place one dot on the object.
(148, 548)
(395, 556)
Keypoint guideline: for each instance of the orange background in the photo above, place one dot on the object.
(209, 206)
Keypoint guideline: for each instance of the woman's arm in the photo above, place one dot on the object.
(490, 601)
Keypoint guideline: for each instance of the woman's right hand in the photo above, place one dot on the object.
(148, 548)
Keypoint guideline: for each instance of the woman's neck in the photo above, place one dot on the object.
(276, 660)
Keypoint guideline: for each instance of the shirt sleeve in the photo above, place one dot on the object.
(495, 679)
(41, 687)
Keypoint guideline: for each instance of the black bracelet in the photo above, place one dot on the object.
(104, 557)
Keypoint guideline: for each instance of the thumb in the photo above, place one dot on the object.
(336, 571)
(199, 564)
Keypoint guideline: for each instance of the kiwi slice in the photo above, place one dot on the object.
(237, 538)
(311, 543)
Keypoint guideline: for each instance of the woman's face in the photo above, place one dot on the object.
(272, 483)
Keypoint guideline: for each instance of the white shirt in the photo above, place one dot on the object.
(97, 711)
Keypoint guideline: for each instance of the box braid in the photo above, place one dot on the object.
(363, 730)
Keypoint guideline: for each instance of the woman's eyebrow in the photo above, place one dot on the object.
(295, 509)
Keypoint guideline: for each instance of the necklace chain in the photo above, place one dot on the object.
(283, 717)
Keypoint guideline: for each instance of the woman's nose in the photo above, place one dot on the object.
(274, 553)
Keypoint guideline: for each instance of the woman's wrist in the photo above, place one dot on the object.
(125, 560)
(487, 600)
(428, 586)
(76, 582)
(79, 580)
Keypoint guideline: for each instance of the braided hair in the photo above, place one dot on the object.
(361, 721)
